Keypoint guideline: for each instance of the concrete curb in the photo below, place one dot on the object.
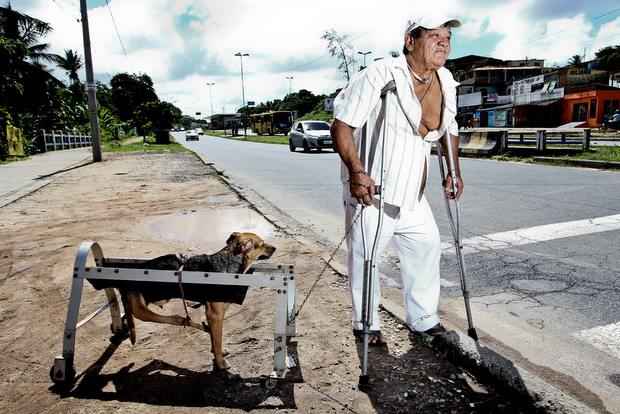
(460, 349)
(580, 163)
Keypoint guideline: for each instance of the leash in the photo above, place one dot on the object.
(357, 216)
(179, 272)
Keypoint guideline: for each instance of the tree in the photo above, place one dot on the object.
(71, 63)
(157, 117)
(609, 58)
(574, 60)
(27, 90)
(130, 92)
(339, 46)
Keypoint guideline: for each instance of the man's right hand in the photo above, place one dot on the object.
(362, 187)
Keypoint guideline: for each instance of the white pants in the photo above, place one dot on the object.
(417, 239)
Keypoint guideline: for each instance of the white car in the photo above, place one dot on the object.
(310, 135)
(191, 135)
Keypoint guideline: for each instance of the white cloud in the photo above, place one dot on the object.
(608, 35)
(286, 35)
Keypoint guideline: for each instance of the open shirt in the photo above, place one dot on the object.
(359, 105)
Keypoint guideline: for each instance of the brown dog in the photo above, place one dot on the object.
(242, 249)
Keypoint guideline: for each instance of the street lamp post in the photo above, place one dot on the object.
(210, 84)
(290, 80)
(241, 55)
(364, 54)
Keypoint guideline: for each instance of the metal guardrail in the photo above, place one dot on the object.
(61, 140)
(498, 140)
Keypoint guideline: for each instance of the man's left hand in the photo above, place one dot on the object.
(447, 187)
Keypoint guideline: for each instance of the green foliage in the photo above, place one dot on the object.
(609, 58)
(130, 92)
(71, 63)
(574, 60)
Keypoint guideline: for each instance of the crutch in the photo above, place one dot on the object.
(370, 265)
(455, 227)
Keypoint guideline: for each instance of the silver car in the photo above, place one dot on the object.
(310, 134)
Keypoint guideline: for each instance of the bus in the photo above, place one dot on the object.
(270, 123)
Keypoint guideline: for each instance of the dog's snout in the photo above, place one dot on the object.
(268, 251)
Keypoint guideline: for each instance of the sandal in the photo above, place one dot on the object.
(375, 338)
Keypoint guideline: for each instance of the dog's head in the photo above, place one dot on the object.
(250, 246)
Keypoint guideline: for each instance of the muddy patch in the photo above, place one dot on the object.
(206, 228)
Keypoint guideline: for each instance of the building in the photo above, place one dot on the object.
(589, 104)
(484, 94)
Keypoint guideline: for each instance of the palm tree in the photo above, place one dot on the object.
(27, 30)
(575, 60)
(71, 62)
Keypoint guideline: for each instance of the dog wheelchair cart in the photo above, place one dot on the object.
(278, 277)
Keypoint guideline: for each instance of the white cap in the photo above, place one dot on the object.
(431, 21)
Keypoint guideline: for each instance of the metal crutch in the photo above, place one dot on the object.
(370, 266)
(456, 229)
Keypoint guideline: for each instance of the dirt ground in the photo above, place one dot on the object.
(120, 203)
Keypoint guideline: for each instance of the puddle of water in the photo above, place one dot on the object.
(207, 228)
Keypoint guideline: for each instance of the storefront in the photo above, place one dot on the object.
(591, 105)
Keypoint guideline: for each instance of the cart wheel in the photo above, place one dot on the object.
(69, 377)
(269, 383)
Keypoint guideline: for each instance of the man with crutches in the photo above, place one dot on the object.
(386, 120)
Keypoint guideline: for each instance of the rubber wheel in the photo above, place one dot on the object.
(291, 146)
(69, 377)
(306, 146)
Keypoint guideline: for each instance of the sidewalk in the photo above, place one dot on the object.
(22, 177)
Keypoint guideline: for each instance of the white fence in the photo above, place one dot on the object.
(60, 140)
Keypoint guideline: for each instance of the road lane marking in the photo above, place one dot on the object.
(605, 337)
(537, 234)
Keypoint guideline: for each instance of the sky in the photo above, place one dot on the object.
(184, 44)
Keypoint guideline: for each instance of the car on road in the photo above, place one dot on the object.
(613, 122)
(309, 135)
(191, 135)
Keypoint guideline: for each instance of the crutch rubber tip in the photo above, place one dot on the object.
(472, 334)
(364, 383)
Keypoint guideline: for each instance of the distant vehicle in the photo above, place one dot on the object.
(270, 123)
(200, 131)
(613, 122)
(309, 135)
(191, 136)
(182, 129)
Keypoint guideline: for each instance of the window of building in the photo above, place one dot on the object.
(593, 108)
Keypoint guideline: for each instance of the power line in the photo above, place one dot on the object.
(116, 28)
(65, 10)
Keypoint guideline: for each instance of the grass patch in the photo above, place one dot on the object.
(11, 159)
(597, 153)
(600, 154)
(130, 145)
(265, 139)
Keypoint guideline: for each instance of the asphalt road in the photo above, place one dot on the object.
(541, 251)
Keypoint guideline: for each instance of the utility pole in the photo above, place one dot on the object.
(210, 84)
(90, 86)
(241, 55)
(290, 80)
(364, 54)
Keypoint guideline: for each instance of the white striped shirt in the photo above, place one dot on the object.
(405, 150)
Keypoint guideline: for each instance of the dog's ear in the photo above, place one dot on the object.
(232, 238)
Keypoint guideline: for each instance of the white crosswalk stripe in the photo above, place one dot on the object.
(537, 234)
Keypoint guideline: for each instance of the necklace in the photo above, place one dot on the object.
(418, 77)
(430, 83)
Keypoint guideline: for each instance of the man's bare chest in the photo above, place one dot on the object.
(431, 99)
